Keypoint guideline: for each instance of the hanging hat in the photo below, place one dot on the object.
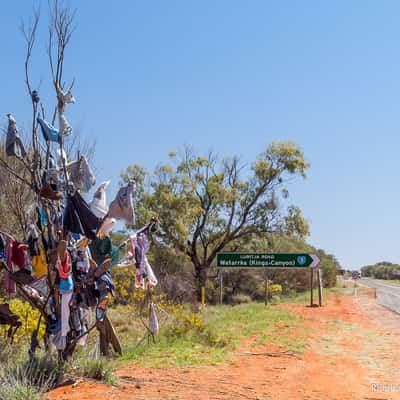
(35, 96)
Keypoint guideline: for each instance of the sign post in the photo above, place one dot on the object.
(221, 282)
(267, 260)
(311, 287)
(203, 296)
(266, 287)
(272, 261)
(319, 278)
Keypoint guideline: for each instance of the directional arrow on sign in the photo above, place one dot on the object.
(315, 261)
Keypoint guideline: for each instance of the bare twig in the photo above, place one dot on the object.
(10, 170)
(270, 354)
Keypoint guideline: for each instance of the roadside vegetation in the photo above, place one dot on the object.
(382, 270)
(187, 337)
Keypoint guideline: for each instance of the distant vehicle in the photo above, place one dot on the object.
(355, 275)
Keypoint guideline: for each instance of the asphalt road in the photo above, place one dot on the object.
(387, 294)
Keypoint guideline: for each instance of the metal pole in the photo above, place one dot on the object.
(319, 277)
(221, 283)
(311, 287)
(266, 287)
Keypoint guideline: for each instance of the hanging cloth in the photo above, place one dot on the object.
(153, 321)
(3, 255)
(18, 256)
(65, 127)
(39, 264)
(14, 145)
(140, 245)
(81, 175)
(64, 99)
(9, 283)
(122, 206)
(64, 267)
(98, 205)
(33, 240)
(49, 132)
(100, 249)
(78, 218)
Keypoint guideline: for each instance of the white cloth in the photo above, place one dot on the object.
(64, 98)
(65, 312)
(153, 321)
(150, 274)
(81, 175)
(125, 261)
(87, 321)
(98, 205)
(63, 125)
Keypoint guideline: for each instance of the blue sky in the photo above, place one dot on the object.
(152, 76)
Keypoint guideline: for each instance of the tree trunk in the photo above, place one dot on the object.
(201, 278)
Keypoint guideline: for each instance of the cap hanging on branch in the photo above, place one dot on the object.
(35, 96)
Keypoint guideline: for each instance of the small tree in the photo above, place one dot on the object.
(28, 170)
(205, 203)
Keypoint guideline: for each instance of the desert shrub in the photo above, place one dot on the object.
(191, 326)
(8, 351)
(275, 299)
(100, 369)
(184, 323)
(240, 299)
(28, 316)
(27, 380)
(17, 390)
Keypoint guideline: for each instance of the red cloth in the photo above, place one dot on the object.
(18, 255)
(64, 268)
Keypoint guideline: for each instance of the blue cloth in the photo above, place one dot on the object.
(49, 132)
(66, 285)
(42, 216)
(107, 280)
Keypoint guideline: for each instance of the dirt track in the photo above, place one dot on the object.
(352, 345)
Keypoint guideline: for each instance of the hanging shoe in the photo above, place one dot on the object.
(49, 193)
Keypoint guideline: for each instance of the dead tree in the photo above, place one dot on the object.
(30, 169)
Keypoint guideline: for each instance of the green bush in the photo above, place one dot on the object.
(274, 290)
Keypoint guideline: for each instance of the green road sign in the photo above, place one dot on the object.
(267, 260)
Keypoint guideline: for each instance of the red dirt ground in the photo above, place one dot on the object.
(352, 345)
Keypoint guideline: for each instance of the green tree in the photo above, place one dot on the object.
(381, 270)
(205, 203)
